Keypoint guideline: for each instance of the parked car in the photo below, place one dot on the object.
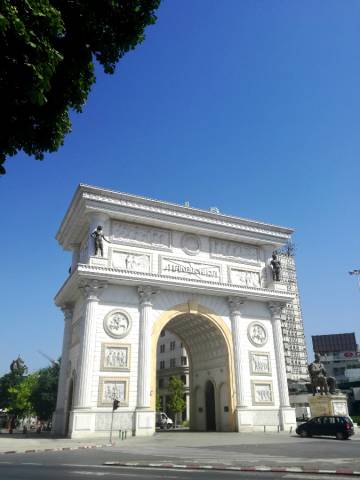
(338, 426)
(163, 421)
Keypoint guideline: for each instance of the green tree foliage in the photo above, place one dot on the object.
(44, 392)
(176, 402)
(10, 380)
(47, 53)
(20, 404)
(30, 395)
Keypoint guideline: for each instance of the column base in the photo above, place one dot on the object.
(249, 419)
(287, 417)
(144, 422)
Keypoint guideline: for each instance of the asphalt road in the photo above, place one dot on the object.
(38, 471)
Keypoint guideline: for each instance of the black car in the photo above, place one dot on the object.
(338, 426)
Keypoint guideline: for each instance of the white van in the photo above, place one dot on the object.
(163, 421)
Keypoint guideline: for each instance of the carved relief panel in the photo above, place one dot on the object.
(132, 261)
(111, 388)
(244, 278)
(262, 393)
(141, 235)
(234, 251)
(260, 363)
(115, 357)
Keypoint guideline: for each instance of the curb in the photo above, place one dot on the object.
(236, 468)
(56, 449)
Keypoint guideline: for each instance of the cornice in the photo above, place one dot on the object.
(94, 199)
(124, 277)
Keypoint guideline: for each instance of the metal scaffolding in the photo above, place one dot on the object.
(296, 358)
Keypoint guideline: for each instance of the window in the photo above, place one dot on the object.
(183, 361)
(161, 383)
(172, 363)
(183, 379)
(162, 334)
(162, 348)
(172, 345)
(162, 364)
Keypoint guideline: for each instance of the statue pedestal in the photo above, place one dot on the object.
(328, 405)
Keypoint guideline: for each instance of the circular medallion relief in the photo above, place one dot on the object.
(257, 334)
(190, 244)
(117, 324)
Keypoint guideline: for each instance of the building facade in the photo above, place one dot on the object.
(140, 266)
(172, 361)
(340, 355)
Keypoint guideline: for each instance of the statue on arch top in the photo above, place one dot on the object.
(98, 237)
(275, 267)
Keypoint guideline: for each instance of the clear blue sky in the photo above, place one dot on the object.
(250, 106)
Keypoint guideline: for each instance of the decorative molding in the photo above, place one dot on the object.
(257, 334)
(117, 323)
(111, 388)
(259, 363)
(262, 392)
(235, 305)
(146, 294)
(165, 208)
(68, 310)
(91, 289)
(115, 357)
(191, 244)
(276, 309)
(113, 274)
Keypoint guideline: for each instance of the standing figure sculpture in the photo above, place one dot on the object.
(98, 237)
(319, 378)
(276, 267)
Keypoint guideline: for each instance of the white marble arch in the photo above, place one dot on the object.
(196, 297)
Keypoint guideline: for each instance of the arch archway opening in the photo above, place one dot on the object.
(205, 372)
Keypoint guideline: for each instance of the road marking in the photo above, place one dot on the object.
(84, 472)
(314, 477)
(30, 463)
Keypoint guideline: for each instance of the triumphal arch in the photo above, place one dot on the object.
(205, 276)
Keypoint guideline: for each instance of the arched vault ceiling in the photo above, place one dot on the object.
(203, 340)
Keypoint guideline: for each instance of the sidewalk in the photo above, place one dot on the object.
(33, 442)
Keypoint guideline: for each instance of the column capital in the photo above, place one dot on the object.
(235, 304)
(146, 293)
(67, 309)
(276, 309)
(91, 289)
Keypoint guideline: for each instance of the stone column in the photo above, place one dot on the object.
(276, 310)
(144, 417)
(91, 291)
(59, 419)
(287, 414)
(235, 316)
(144, 363)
